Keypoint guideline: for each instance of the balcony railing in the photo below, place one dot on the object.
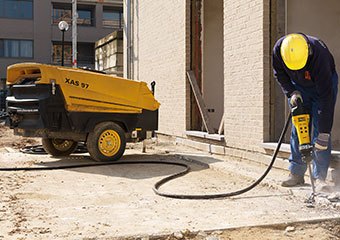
(116, 24)
(82, 60)
(68, 19)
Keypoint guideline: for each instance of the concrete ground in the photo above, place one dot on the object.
(117, 202)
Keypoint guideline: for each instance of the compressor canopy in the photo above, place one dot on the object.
(87, 91)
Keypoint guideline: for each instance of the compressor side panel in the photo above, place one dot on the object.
(37, 111)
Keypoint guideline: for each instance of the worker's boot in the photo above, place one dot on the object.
(293, 180)
(322, 186)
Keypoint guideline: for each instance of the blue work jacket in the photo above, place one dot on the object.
(317, 74)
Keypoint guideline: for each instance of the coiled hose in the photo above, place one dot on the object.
(161, 182)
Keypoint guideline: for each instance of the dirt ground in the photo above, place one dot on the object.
(117, 202)
(8, 139)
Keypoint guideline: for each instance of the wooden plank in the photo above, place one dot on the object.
(221, 128)
(200, 101)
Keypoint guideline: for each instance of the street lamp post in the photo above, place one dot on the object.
(74, 33)
(63, 27)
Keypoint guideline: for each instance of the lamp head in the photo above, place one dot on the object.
(63, 26)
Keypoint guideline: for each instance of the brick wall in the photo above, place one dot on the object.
(160, 54)
(246, 73)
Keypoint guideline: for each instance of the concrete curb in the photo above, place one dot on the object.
(262, 158)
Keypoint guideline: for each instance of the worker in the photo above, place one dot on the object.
(305, 69)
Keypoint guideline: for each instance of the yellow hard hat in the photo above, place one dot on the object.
(294, 51)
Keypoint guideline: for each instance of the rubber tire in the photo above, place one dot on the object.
(93, 140)
(49, 146)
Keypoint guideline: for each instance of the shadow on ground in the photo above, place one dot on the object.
(144, 166)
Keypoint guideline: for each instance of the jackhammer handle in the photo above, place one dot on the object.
(299, 102)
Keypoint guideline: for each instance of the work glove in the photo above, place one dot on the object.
(294, 97)
(321, 142)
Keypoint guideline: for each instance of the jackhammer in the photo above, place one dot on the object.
(301, 122)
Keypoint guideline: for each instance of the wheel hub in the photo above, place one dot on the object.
(109, 143)
(61, 144)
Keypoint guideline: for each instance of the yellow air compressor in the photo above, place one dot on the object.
(65, 106)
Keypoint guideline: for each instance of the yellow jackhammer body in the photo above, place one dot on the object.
(301, 122)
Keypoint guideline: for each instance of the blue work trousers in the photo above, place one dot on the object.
(321, 159)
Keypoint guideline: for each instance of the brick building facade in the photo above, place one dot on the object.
(160, 54)
(30, 33)
(227, 44)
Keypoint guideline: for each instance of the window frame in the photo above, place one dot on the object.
(87, 59)
(113, 10)
(68, 8)
(67, 53)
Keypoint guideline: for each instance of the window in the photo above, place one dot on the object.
(84, 17)
(113, 18)
(16, 48)
(60, 14)
(20, 9)
(85, 53)
(64, 12)
(57, 53)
